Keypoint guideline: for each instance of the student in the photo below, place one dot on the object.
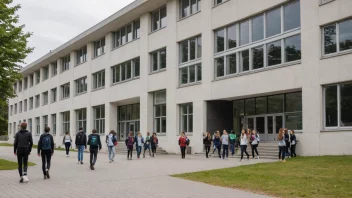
(207, 143)
(282, 145)
(111, 140)
(139, 143)
(232, 137)
(67, 140)
(22, 148)
(217, 143)
(147, 144)
(254, 144)
(154, 143)
(46, 149)
(225, 144)
(243, 144)
(182, 142)
(81, 144)
(293, 143)
(129, 143)
(287, 142)
(94, 144)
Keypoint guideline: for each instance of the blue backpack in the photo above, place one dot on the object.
(46, 142)
(94, 141)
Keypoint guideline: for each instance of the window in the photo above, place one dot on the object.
(37, 101)
(53, 123)
(189, 7)
(20, 86)
(338, 105)
(30, 103)
(217, 2)
(325, 1)
(20, 107)
(81, 55)
(190, 49)
(25, 82)
(45, 73)
(30, 125)
(190, 74)
(99, 79)
(11, 110)
(54, 68)
(160, 111)
(81, 85)
(258, 28)
(15, 128)
(45, 98)
(159, 19)
(31, 80)
(338, 37)
(65, 91)
(99, 46)
(53, 95)
(65, 63)
(37, 77)
(274, 53)
(292, 19)
(158, 60)
(99, 118)
(293, 48)
(244, 32)
(273, 22)
(81, 117)
(37, 124)
(15, 109)
(126, 71)
(45, 121)
(65, 122)
(15, 87)
(25, 105)
(10, 128)
(186, 118)
(126, 34)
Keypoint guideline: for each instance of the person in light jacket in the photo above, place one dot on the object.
(282, 144)
(244, 143)
(67, 141)
(254, 144)
(110, 141)
(139, 143)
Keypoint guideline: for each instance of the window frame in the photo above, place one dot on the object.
(117, 42)
(45, 120)
(197, 39)
(198, 3)
(196, 74)
(31, 80)
(31, 103)
(158, 52)
(102, 83)
(37, 77)
(65, 122)
(53, 123)
(152, 19)
(25, 105)
(37, 126)
(20, 107)
(54, 69)
(65, 63)
(45, 73)
(187, 114)
(97, 45)
(53, 95)
(101, 119)
(63, 96)
(123, 67)
(45, 98)
(159, 105)
(215, 4)
(25, 83)
(20, 86)
(81, 119)
(37, 101)
(81, 90)
(81, 54)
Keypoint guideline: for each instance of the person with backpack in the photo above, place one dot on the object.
(232, 138)
(287, 142)
(22, 148)
(293, 143)
(147, 144)
(182, 142)
(81, 144)
(67, 140)
(217, 143)
(243, 144)
(225, 144)
(214, 135)
(254, 143)
(207, 143)
(111, 140)
(129, 143)
(154, 143)
(46, 150)
(94, 144)
(282, 144)
(139, 143)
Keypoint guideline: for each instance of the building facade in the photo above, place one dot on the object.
(168, 66)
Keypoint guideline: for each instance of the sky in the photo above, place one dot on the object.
(54, 22)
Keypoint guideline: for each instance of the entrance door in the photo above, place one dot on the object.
(131, 128)
(250, 122)
(260, 127)
(274, 123)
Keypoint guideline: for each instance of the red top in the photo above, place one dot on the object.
(182, 141)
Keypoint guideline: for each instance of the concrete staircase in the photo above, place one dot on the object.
(122, 149)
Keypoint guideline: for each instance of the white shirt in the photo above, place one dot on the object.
(110, 143)
(139, 139)
(244, 140)
(67, 138)
(225, 139)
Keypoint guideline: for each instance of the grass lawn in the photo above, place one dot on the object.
(36, 146)
(325, 176)
(8, 165)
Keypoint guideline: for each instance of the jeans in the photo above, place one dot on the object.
(244, 150)
(293, 150)
(225, 151)
(139, 151)
(147, 147)
(111, 152)
(22, 159)
(80, 152)
(67, 147)
(183, 152)
(287, 149)
(282, 152)
(254, 148)
(93, 156)
(46, 158)
(153, 150)
(232, 147)
(219, 150)
(129, 151)
(207, 149)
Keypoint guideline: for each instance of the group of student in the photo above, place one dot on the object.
(150, 142)
(287, 144)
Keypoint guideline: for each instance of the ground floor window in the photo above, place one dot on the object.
(65, 122)
(186, 118)
(160, 111)
(81, 117)
(99, 118)
(53, 122)
(45, 121)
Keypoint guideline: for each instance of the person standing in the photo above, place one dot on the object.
(225, 144)
(22, 149)
(217, 143)
(154, 143)
(129, 143)
(287, 142)
(81, 144)
(243, 144)
(207, 143)
(293, 143)
(254, 143)
(46, 150)
(182, 142)
(111, 140)
(232, 138)
(67, 141)
(147, 144)
(282, 144)
(139, 143)
(94, 144)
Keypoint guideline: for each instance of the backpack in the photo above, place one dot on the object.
(80, 138)
(46, 142)
(93, 141)
(114, 139)
(187, 142)
(130, 141)
(258, 138)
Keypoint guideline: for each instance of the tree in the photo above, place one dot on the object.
(13, 51)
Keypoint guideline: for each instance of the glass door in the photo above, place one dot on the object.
(131, 129)
(250, 122)
(260, 127)
(274, 123)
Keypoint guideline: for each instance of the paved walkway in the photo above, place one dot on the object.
(142, 178)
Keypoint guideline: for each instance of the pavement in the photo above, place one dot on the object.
(143, 178)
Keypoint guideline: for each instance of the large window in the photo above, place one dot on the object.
(158, 60)
(65, 64)
(45, 98)
(45, 73)
(338, 105)
(99, 79)
(190, 49)
(25, 83)
(186, 118)
(65, 91)
(53, 123)
(126, 71)
(160, 112)
(190, 74)
(25, 105)
(20, 86)
(189, 7)
(81, 85)
(45, 121)
(99, 46)
(37, 124)
(126, 34)
(338, 37)
(15, 109)
(53, 95)
(81, 117)
(236, 53)
(159, 19)
(31, 80)
(37, 77)
(54, 68)
(20, 107)
(37, 101)
(31, 103)
(65, 122)
(99, 118)
(81, 55)
(30, 125)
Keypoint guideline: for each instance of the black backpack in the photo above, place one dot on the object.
(80, 138)
(46, 142)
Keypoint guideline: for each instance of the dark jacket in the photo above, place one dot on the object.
(207, 141)
(293, 138)
(23, 140)
(133, 141)
(90, 139)
(154, 141)
(41, 142)
(217, 141)
(84, 142)
(287, 137)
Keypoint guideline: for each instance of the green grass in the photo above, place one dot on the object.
(325, 176)
(36, 146)
(8, 165)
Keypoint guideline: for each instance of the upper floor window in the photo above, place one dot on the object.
(81, 85)
(65, 91)
(99, 46)
(31, 103)
(65, 63)
(125, 71)
(126, 34)
(15, 109)
(338, 37)
(20, 86)
(15, 87)
(81, 55)
(53, 123)
(54, 68)
(45, 98)
(37, 124)
(159, 19)
(217, 2)
(158, 60)
(37, 101)
(25, 105)
(190, 74)
(37, 77)
(45, 73)
(20, 107)
(11, 110)
(31, 80)
(99, 79)
(189, 7)
(25, 83)
(190, 49)
(53, 95)
(325, 1)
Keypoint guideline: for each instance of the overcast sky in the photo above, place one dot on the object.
(54, 22)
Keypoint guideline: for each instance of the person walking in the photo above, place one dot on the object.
(182, 142)
(254, 143)
(225, 144)
(214, 146)
(67, 141)
(232, 138)
(22, 148)
(129, 143)
(111, 140)
(81, 144)
(46, 150)
(293, 143)
(207, 143)
(217, 143)
(94, 144)
(243, 144)
(139, 143)
(287, 142)
(154, 143)
(282, 144)
(147, 144)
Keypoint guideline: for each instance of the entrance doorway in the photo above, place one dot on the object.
(126, 127)
(267, 126)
